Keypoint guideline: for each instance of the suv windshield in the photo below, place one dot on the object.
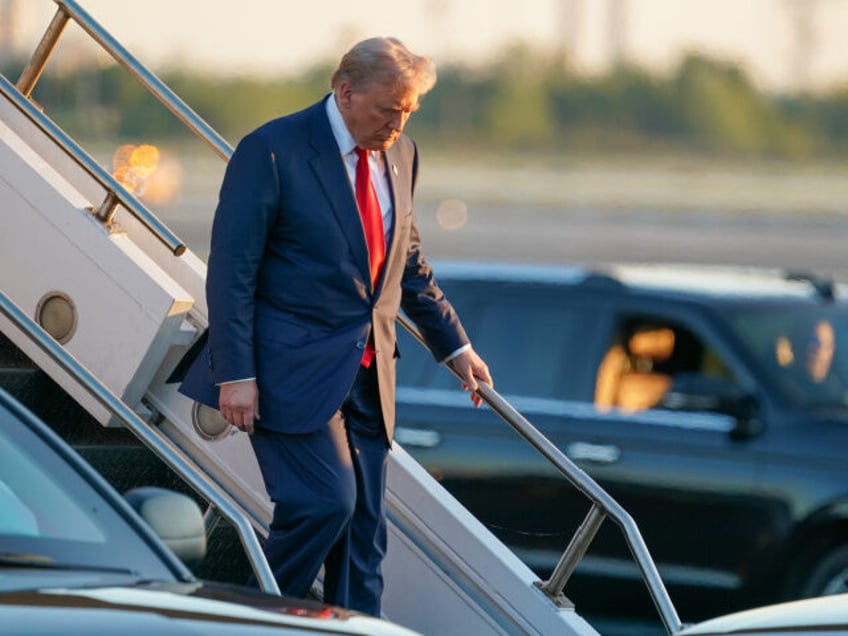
(802, 348)
(52, 517)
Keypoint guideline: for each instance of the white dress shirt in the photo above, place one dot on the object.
(376, 161)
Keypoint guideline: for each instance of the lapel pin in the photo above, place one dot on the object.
(394, 169)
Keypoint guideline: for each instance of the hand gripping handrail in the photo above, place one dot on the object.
(602, 505)
(163, 448)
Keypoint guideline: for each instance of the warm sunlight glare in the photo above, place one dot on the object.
(452, 214)
(146, 172)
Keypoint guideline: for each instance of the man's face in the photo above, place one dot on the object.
(820, 351)
(376, 114)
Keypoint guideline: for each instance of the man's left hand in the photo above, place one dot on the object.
(471, 368)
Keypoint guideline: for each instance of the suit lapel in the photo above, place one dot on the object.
(330, 172)
(398, 175)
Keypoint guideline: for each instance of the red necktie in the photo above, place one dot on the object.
(372, 223)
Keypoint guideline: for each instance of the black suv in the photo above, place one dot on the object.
(712, 403)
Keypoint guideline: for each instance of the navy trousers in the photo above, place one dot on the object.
(328, 493)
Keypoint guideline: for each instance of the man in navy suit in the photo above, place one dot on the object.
(302, 346)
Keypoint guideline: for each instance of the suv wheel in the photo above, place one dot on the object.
(829, 575)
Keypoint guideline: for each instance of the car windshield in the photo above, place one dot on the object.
(53, 518)
(803, 348)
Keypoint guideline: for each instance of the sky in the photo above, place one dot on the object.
(278, 37)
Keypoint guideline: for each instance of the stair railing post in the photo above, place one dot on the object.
(577, 547)
(29, 76)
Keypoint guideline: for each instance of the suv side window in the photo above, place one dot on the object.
(646, 357)
(803, 349)
(527, 336)
(529, 343)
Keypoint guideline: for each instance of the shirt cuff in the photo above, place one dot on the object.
(453, 355)
(233, 381)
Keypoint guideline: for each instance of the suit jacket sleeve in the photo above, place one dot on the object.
(247, 207)
(424, 302)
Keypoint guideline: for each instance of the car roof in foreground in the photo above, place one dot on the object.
(67, 599)
(179, 609)
(720, 281)
(822, 615)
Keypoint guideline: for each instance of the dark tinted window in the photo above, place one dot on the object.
(527, 344)
(647, 357)
(526, 335)
(803, 348)
(51, 512)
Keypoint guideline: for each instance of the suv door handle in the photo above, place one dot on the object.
(595, 453)
(421, 437)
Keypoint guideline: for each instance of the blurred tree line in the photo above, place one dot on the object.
(523, 101)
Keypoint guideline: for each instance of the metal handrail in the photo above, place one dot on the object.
(117, 192)
(603, 504)
(146, 78)
(162, 447)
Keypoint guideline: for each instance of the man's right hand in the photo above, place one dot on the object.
(239, 404)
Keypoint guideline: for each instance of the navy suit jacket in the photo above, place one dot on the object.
(288, 284)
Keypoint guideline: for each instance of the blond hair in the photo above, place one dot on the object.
(385, 61)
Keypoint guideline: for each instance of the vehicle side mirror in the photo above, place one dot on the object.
(175, 518)
(697, 392)
(745, 410)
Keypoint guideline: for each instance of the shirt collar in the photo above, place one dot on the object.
(344, 139)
